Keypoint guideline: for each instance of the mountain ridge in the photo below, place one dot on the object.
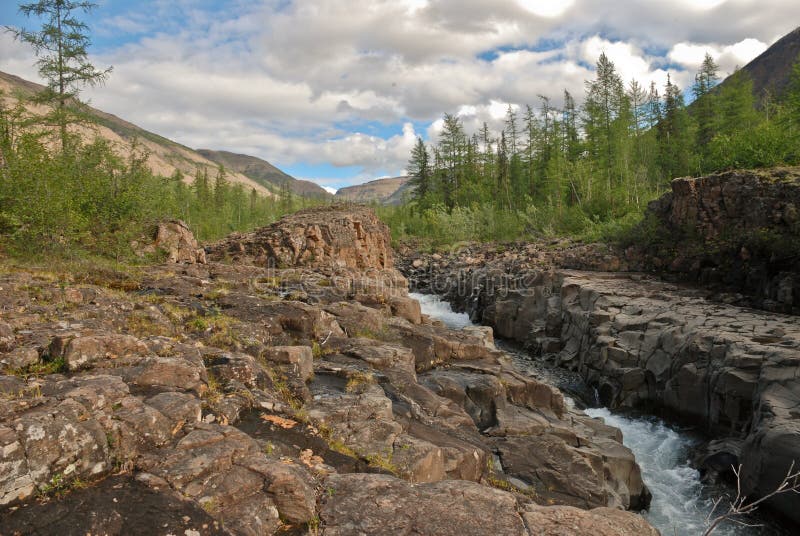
(164, 156)
(264, 172)
(386, 191)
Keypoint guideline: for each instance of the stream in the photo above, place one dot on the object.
(681, 500)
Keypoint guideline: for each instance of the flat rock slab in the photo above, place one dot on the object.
(115, 506)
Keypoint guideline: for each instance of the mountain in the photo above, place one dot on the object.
(165, 156)
(383, 191)
(264, 173)
(771, 70)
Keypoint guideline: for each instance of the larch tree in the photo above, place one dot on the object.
(419, 171)
(706, 102)
(61, 46)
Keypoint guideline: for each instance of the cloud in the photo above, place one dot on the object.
(728, 57)
(342, 84)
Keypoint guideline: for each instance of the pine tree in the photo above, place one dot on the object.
(419, 169)
(61, 46)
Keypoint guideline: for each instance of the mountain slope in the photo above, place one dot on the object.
(383, 191)
(771, 70)
(165, 156)
(264, 173)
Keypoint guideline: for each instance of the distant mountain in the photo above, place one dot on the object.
(164, 156)
(264, 173)
(771, 70)
(382, 191)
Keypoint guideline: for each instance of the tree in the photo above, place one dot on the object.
(604, 99)
(61, 46)
(674, 133)
(705, 106)
(419, 169)
(793, 96)
(452, 142)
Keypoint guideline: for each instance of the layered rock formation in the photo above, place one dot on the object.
(350, 237)
(740, 229)
(235, 399)
(644, 343)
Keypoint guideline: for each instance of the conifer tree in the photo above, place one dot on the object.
(62, 48)
(419, 169)
(705, 107)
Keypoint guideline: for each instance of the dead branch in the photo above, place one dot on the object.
(740, 506)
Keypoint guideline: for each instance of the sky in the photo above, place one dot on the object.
(337, 91)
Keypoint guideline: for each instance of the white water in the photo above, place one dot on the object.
(681, 503)
(434, 307)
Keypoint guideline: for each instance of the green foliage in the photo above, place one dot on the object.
(589, 173)
(87, 200)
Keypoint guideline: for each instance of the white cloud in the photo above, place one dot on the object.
(307, 81)
(728, 57)
(330, 190)
(546, 8)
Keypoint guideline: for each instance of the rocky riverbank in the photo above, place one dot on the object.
(283, 383)
(643, 343)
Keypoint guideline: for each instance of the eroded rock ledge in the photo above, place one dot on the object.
(643, 343)
(233, 398)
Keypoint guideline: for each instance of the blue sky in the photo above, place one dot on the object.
(337, 91)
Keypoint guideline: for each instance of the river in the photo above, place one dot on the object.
(681, 500)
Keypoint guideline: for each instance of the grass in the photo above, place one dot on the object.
(45, 368)
(359, 381)
(214, 391)
(505, 485)
(318, 351)
(59, 485)
(139, 323)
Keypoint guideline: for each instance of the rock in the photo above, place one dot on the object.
(300, 359)
(641, 342)
(568, 521)
(407, 308)
(7, 338)
(170, 372)
(332, 236)
(177, 240)
(19, 358)
(383, 505)
(178, 407)
(485, 333)
(59, 439)
(83, 351)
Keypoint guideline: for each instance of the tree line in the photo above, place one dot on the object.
(572, 170)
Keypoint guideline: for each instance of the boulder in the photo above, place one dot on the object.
(332, 236)
(177, 240)
(299, 359)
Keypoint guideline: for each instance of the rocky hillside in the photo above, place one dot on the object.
(164, 156)
(287, 386)
(381, 191)
(264, 173)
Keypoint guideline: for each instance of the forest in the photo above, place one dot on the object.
(588, 172)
